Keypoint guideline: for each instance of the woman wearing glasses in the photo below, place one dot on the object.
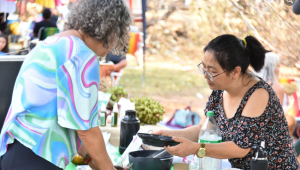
(246, 108)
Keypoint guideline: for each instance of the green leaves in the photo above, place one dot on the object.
(117, 92)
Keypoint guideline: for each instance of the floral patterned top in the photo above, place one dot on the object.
(245, 132)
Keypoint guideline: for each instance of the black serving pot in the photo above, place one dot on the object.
(141, 162)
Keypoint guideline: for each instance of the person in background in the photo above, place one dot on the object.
(3, 22)
(270, 73)
(54, 109)
(119, 61)
(45, 23)
(288, 100)
(3, 44)
(246, 108)
(54, 16)
(288, 104)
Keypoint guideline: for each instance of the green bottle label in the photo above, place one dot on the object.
(102, 119)
(207, 141)
(112, 119)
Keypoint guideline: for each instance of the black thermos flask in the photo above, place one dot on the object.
(130, 125)
(259, 160)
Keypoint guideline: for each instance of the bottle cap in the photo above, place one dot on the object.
(131, 113)
(210, 113)
(103, 108)
(115, 109)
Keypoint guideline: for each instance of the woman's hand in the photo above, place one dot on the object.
(185, 148)
(163, 133)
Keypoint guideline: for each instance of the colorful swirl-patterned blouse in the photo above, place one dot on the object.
(246, 132)
(54, 95)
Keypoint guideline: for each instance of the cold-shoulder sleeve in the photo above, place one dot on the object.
(252, 130)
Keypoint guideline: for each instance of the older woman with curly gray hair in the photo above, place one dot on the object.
(103, 21)
(270, 73)
(54, 104)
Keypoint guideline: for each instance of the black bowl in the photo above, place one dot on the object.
(157, 140)
(141, 162)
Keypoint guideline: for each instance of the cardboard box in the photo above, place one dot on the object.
(181, 166)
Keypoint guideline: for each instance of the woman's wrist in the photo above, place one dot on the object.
(171, 133)
(196, 147)
(87, 158)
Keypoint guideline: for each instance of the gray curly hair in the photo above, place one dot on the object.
(267, 73)
(105, 20)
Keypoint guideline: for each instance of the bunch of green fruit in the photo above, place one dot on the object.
(148, 110)
(116, 93)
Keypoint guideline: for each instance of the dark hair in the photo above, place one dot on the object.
(231, 52)
(46, 13)
(5, 49)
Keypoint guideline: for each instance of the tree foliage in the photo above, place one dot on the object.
(186, 30)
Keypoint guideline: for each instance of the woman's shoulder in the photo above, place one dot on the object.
(257, 103)
(66, 40)
(71, 44)
(261, 97)
(264, 86)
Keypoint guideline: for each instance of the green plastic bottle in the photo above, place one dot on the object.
(114, 116)
(210, 133)
(103, 115)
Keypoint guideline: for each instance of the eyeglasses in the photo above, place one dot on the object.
(209, 74)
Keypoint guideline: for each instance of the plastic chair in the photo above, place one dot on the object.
(116, 76)
(44, 32)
